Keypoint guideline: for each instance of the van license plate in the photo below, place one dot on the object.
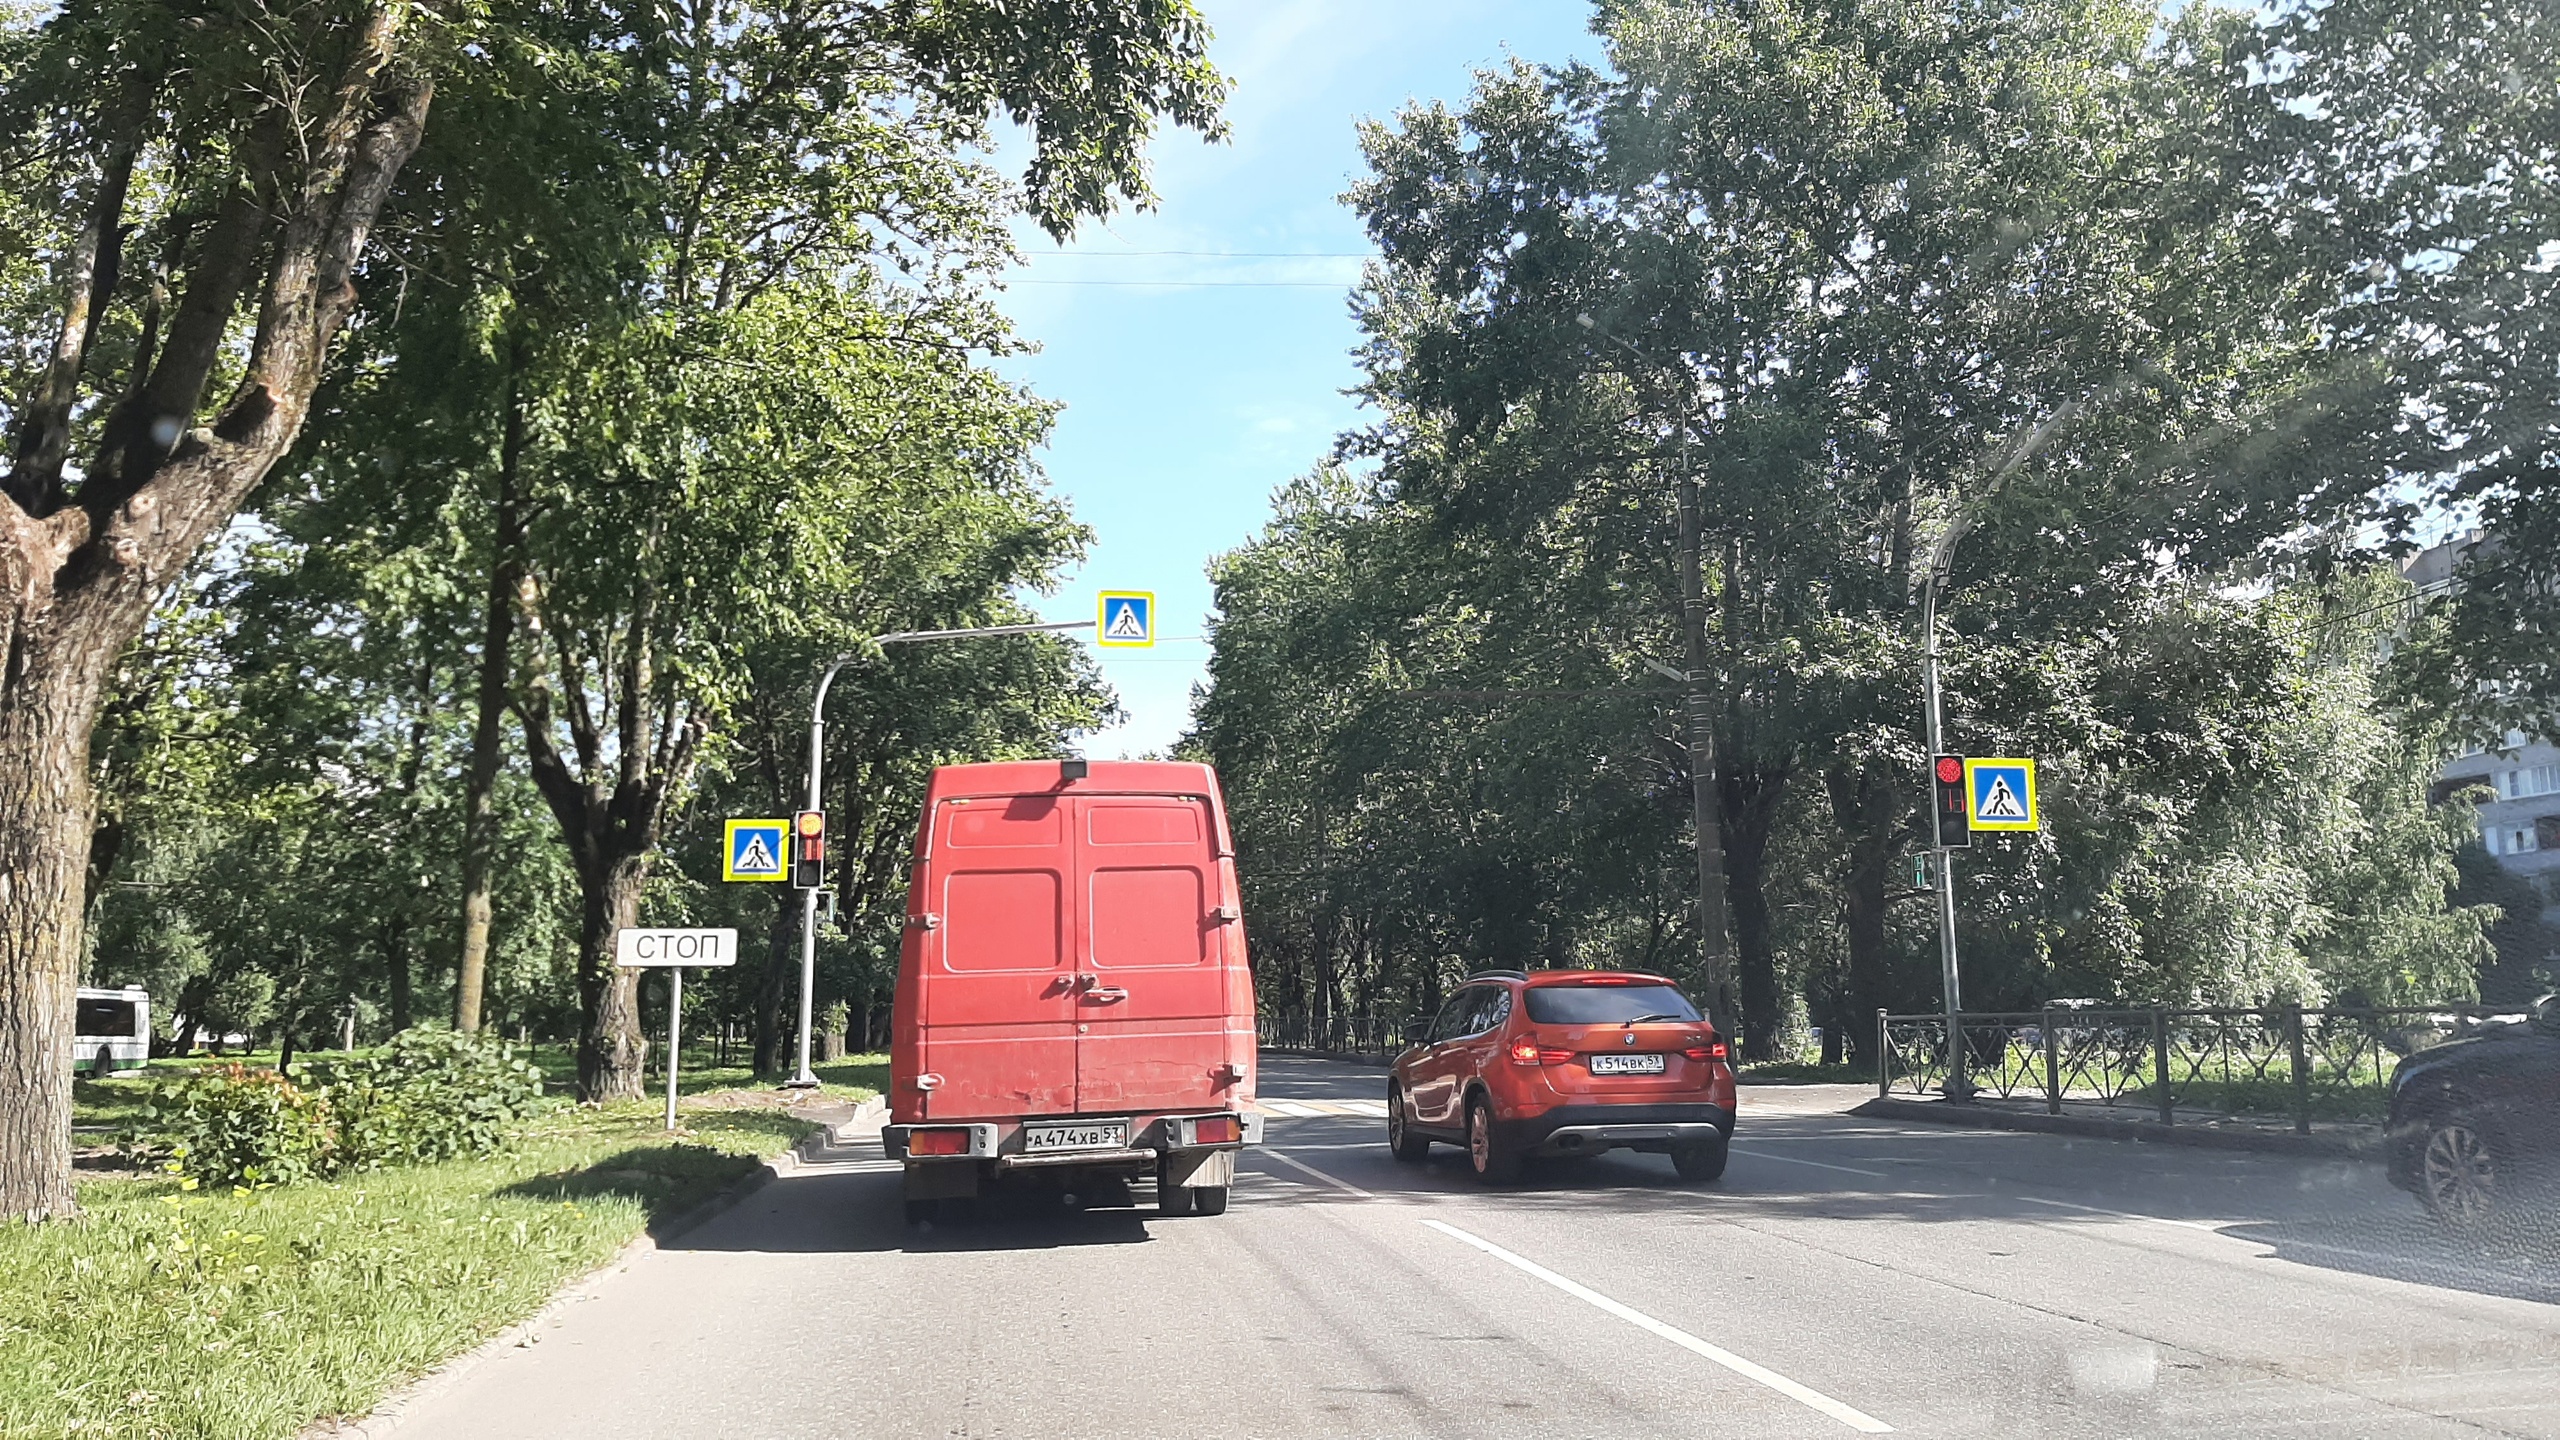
(1626, 1064)
(1102, 1135)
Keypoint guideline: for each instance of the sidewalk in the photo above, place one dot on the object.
(2091, 1118)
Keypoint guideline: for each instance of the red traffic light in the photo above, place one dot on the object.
(811, 822)
(1950, 769)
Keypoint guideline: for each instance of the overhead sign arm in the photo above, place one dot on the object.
(803, 1078)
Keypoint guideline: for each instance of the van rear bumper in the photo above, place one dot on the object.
(1151, 1136)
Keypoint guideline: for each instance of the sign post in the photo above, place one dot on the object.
(671, 951)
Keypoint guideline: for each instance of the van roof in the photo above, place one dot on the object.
(1046, 777)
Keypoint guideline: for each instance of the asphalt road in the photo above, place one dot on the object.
(1846, 1276)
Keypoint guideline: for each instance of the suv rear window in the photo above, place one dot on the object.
(1606, 1004)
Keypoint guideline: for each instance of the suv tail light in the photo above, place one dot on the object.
(937, 1142)
(1529, 1052)
(1712, 1050)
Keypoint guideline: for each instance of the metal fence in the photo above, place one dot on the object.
(1377, 1039)
(2327, 1064)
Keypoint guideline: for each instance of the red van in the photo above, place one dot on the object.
(1072, 990)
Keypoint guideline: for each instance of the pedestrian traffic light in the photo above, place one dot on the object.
(809, 849)
(1954, 814)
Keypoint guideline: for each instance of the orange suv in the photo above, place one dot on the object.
(1565, 1062)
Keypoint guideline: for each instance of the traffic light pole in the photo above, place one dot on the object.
(804, 1078)
(1958, 1086)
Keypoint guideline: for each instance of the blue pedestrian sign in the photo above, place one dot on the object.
(1125, 619)
(2003, 794)
(755, 850)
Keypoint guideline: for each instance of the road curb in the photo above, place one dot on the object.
(387, 1415)
(2210, 1137)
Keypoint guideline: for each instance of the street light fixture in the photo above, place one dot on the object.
(1702, 761)
(804, 1078)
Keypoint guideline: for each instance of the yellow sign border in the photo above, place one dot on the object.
(782, 852)
(2035, 817)
(1102, 619)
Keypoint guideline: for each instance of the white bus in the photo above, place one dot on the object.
(113, 1031)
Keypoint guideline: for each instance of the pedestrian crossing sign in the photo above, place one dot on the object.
(2003, 794)
(1125, 619)
(755, 850)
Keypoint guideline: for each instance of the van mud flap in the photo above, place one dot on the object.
(942, 1179)
(1200, 1167)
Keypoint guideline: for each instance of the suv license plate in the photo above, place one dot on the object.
(1626, 1064)
(1100, 1135)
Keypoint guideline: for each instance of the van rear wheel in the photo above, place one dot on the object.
(1173, 1198)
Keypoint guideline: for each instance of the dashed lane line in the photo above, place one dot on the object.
(1805, 1395)
(1294, 1163)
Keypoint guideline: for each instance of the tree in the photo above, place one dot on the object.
(245, 157)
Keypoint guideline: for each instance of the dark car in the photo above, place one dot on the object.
(1565, 1062)
(2475, 1119)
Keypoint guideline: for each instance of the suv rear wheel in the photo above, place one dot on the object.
(1408, 1147)
(1699, 1160)
(1495, 1160)
(2459, 1173)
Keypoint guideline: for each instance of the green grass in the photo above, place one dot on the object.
(236, 1315)
(1804, 1072)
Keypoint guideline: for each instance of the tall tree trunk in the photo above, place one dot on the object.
(79, 575)
(44, 851)
(1866, 807)
(612, 1055)
(1748, 793)
(488, 732)
(781, 968)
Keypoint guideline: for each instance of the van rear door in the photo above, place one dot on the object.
(997, 1014)
(1154, 1001)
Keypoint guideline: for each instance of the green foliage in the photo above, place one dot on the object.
(428, 1095)
(232, 1125)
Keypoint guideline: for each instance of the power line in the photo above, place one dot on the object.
(1216, 254)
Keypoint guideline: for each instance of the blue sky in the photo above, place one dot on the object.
(1202, 349)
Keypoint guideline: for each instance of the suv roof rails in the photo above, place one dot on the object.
(1495, 975)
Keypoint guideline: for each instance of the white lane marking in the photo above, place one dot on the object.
(1294, 1163)
(1285, 1107)
(2209, 1229)
(1816, 1164)
(1805, 1395)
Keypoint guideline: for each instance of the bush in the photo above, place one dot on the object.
(233, 1125)
(428, 1095)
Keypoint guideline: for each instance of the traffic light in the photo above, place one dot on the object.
(1953, 808)
(809, 849)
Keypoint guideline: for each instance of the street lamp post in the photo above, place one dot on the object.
(1699, 706)
(1958, 1086)
(804, 1078)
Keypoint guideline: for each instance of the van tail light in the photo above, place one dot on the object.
(1214, 1130)
(937, 1142)
(1529, 1052)
(1712, 1050)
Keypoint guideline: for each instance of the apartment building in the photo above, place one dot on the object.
(2520, 819)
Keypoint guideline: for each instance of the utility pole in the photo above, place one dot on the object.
(804, 1078)
(1699, 706)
